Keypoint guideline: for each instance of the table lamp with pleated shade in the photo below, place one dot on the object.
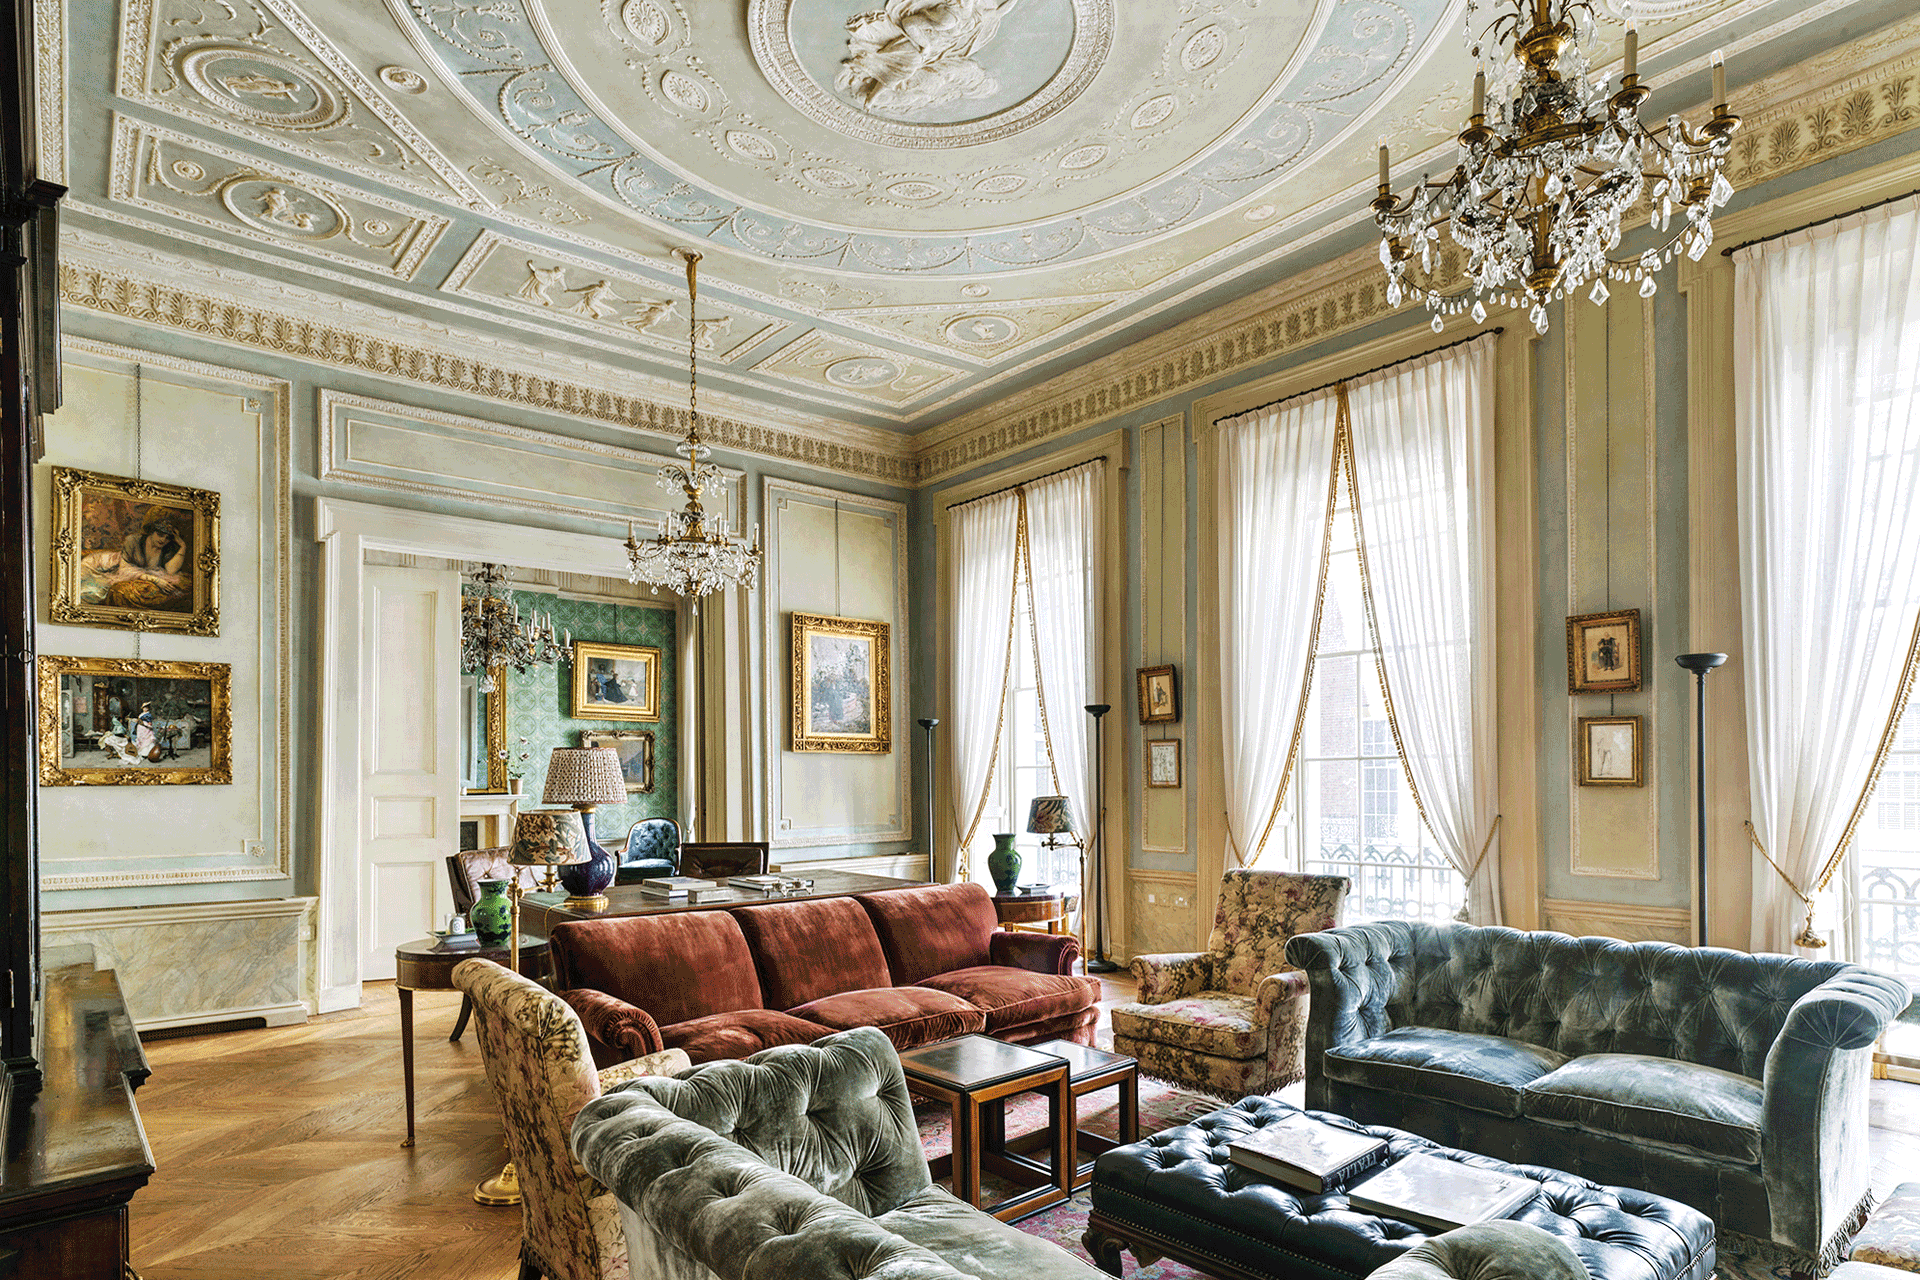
(585, 778)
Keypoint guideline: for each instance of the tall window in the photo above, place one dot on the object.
(1355, 813)
(1023, 771)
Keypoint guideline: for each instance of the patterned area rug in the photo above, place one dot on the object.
(1162, 1106)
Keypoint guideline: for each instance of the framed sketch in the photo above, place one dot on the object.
(1163, 763)
(1159, 695)
(635, 748)
(1608, 751)
(135, 555)
(1603, 652)
(842, 684)
(122, 722)
(615, 682)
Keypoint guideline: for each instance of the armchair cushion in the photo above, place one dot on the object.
(1497, 1250)
(806, 950)
(1680, 1104)
(1173, 975)
(1258, 912)
(624, 1030)
(1486, 1073)
(1217, 1023)
(1040, 952)
(1015, 997)
(740, 1033)
(909, 1016)
(934, 928)
(1891, 1237)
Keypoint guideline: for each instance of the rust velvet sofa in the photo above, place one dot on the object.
(921, 964)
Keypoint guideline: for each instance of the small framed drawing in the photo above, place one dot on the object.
(1608, 749)
(635, 748)
(1603, 652)
(1159, 695)
(1163, 763)
(842, 684)
(615, 682)
(135, 555)
(123, 722)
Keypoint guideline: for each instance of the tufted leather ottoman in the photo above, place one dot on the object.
(1176, 1195)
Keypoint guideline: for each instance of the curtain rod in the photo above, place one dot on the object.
(1024, 483)
(1818, 222)
(1355, 377)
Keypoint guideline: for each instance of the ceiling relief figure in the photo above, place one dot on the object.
(916, 54)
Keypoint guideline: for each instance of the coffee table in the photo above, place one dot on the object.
(1091, 1071)
(975, 1074)
(1177, 1195)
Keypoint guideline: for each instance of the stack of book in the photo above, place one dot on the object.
(677, 886)
(1306, 1153)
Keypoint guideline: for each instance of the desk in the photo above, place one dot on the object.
(428, 965)
(629, 900)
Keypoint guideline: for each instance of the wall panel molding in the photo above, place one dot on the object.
(1619, 920)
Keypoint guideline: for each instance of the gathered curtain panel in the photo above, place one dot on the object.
(1827, 436)
(1046, 539)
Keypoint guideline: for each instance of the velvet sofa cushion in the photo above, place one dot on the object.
(1486, 1073)
(932, 928)
(678, 966)
(1497, 1250)
(909, 1016)
(1015, 997)
(1681, 1104)
(739, 1034)
(1216, 1023)
(806, 950)
(978, 1244)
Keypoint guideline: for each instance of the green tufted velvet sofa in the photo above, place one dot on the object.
(1732, 1082)
(802, 1161)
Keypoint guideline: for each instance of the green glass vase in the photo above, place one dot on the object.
(492, 914)
(1003, 864)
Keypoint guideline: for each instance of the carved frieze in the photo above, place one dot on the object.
(857, 368)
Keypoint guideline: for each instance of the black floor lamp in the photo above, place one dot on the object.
(1097, 851)
(932, 774)
(1700, 664)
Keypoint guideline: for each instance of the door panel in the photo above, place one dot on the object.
(411, 753)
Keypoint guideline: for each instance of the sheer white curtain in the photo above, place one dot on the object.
(1827, 427)
(1066, 534)
(1274, 484)
(985, 536)
(1422, 437)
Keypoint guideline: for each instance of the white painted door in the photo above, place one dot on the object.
(410, 757)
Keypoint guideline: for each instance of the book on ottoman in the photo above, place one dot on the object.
(1440, 1195)
(1307, 1153)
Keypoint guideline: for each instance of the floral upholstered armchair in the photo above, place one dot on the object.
(536, 1057)
(1231, 1020)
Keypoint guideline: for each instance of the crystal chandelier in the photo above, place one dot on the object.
(692, 554)
(1550, 163)
(492, 634)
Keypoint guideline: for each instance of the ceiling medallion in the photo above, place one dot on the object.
(1546, 176)
(692, 554)
(927, 74)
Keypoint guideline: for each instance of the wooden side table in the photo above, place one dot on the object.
(974, 1074)
(1094, 1070)
(428, 965)
(1045, 909)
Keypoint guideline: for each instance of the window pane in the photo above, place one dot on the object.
(1333, 728)
(1343, 619)
(1887, 864)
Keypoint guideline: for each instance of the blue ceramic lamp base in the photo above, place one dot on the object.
(586, 882)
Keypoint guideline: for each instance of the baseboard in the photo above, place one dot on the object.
(275, 1015)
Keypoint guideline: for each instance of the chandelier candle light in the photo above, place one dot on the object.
(692, 554)
(492, 634)
(1550, 163)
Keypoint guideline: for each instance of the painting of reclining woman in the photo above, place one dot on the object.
(134, 554)
(132, 722)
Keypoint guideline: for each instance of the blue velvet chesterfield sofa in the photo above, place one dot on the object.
(1731, 1082)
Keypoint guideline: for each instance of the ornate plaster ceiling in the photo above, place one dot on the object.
(907, 206)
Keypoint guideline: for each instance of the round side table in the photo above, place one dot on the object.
(1043, 909)
(428, 965)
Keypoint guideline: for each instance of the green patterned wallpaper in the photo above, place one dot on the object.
(539, 703)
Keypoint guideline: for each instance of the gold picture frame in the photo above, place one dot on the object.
(635, 749)
(615, 681)
(1163, 763)
(134, 555)
(153, 704)
(1608, 752)
(1603, 652)
(842, 677)
(1159, 695)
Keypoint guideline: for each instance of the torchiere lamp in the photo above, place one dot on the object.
(541, 838)
(1097, 961)
(928, 723)
(1700, 664)
(585, 778)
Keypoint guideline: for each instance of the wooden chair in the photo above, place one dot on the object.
(714, 860)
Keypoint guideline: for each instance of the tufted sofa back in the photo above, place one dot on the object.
(834, 1113)
(1705, 1005)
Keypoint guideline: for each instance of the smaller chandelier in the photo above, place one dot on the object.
(1546, 177)
(692, 554)
(492, 634)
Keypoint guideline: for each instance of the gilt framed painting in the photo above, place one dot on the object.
(135, 555)
(1163, 762)
(615, 681)
(1608, 751)
(1159, 695)
(124, 722)
(842, 684)
(1603, 652)
(635, 749)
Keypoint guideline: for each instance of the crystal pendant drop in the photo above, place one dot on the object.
(1479, 311)
(1600, 294)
